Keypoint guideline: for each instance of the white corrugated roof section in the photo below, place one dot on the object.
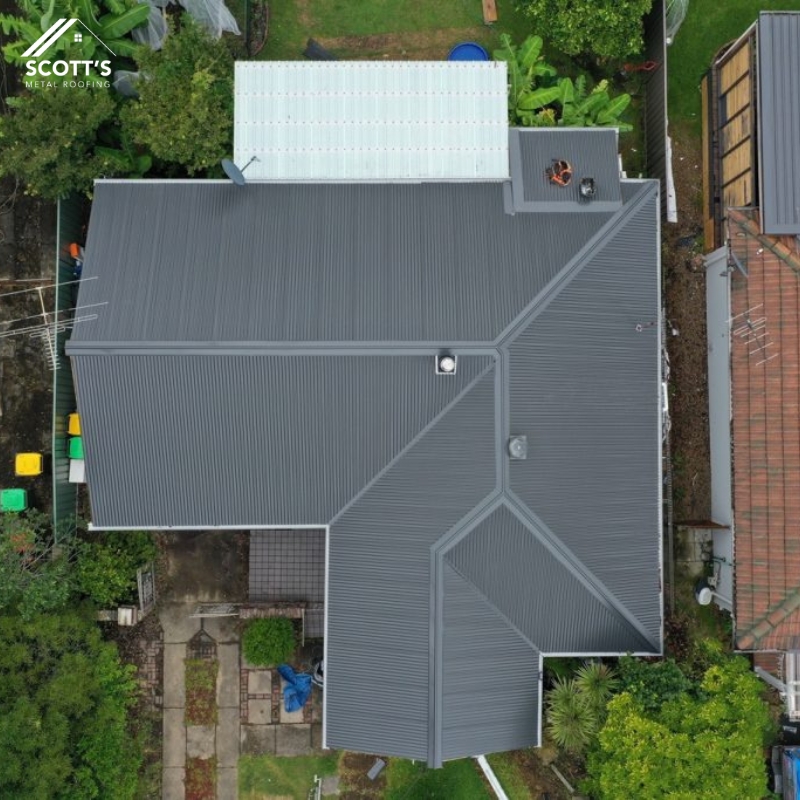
(371, 121)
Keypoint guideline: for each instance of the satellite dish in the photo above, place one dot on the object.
(234, 173)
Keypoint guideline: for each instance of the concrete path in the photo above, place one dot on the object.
(221, 740)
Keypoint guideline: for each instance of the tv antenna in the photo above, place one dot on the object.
(234, 173)
(753, 332)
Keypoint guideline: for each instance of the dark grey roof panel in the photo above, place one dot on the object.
(591, 153)
(779, 121)
(540, 595)
(585, 390)
(249, 440)
(379, 611)
(301, 262)
(491, 677)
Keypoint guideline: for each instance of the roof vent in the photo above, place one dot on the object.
(518, 447)
(446, 364)
(587, 188)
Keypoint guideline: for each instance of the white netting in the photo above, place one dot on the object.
(125, 82)
(212, 14)
(154, 31)
(676, 14)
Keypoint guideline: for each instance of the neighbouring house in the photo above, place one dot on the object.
(402, 332)
(752, 132)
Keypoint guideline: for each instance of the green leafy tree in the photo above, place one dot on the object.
(184, 112)
(35, 574)
(268, 642)
(49, 139)
(652, 684)
(538, 98)
(107, 564)
(608, 29)
(64, 701)
(711, 739)
(117, 19)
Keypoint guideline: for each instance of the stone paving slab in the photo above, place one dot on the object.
(174, 752)
(172, 785)
(222, 629)
(227, 780)
(293, 740)
(259, 712)
(228, 676)
(289, 717)
(259, 681)
(330, 786)
(200, 741)
(258, 740)
(176, 623)
(174, 676)
(228, 737)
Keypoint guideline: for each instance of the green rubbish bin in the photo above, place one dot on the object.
(13, 500)
(76, 447)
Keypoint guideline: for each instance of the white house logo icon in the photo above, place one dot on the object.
(55, 32)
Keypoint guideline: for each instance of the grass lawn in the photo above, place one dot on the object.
(415, 29)
(271, 776)
(508, 773)
(457, 779)
(708, 26)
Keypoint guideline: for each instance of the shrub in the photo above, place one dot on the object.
(267, 642)
(604, 28)
(571, 719)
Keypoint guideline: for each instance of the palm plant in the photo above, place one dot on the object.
(580, 108)
(572, 721)
(597, 682)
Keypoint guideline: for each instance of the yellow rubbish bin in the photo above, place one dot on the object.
(74, 424)
(28, 464)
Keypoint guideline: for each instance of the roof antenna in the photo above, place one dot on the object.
(234, 173)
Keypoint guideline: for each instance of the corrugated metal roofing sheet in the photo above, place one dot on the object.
(779, 121)
(508, 562)
(305, 263)
(491, 677)
(368, 120)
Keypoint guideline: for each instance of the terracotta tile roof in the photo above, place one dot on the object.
(765, 377)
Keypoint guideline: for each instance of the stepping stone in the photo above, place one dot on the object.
(200, 741)
(172, 785)
(259, 681)
(330, 786)
(293, 740)
(259, 712)
(258, 740)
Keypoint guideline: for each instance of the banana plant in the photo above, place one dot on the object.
(582, 109)
(117, 19)
(530, 78)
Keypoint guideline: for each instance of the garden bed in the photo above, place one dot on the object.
(201, 691)
(201, 779)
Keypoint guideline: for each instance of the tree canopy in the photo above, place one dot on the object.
(64, 697)
(711, 736)
(610, 29)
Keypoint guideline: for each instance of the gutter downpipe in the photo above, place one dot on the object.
(491, 777)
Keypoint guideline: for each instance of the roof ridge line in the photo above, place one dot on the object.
(564, 277)
(275, 348)
(574, 565)
(411, 442)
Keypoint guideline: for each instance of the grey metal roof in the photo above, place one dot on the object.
(274, 365)
(371, 120)
(316, 263)
(590, 153)
(779, 121)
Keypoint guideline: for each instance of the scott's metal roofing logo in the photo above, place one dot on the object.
(73, 68)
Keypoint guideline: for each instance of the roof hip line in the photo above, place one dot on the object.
(575, 566)
(420, 434)
(546, 296)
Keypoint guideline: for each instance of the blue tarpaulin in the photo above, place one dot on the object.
(297, 689)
